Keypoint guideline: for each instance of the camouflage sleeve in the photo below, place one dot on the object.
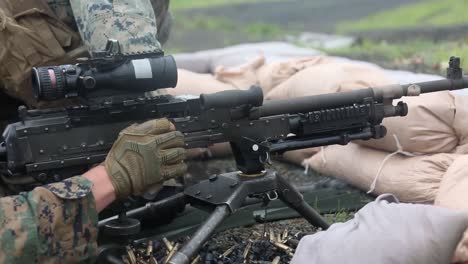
(56, 223)
(131, 22)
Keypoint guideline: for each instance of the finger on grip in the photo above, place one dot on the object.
(172, 156)
(174, 139)
(173, 171)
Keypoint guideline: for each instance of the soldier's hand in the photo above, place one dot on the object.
(144, 156)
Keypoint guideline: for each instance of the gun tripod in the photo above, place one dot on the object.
(223, 194)
(226, 193)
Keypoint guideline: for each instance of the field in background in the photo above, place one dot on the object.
(434, 13)
(427, 53)
(382, 26)
(188, 4)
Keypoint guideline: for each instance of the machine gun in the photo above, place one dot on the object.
(49, 145)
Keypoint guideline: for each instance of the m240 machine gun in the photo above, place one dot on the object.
(48, 145)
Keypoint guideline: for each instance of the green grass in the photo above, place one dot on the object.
(427, 13)
(214, 23)
(187, 4)
(433, 57)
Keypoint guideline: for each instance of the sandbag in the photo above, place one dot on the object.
(266, 75)
(329, 77)
(386, 232)
(460, 124)
(428, 127)
(298, 156)
(411, 179)
(453, 193)
(191, 83)
(207, 61)
(242, 77)
(461, 252)
(273, 74)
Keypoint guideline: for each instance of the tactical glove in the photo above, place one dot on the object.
(144, 156)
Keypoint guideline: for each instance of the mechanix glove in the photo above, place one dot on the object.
(144, 156)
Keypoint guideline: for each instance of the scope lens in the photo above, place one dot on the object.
(48, 83)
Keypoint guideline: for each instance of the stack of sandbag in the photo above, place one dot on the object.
(191, 83)
(453, 193)
(412, 159)
(423, 159)
(302, 77)
(208, 61)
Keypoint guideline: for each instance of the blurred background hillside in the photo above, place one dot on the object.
(417, 35)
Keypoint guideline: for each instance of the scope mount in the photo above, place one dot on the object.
(112, 56)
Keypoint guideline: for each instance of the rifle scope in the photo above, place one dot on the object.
(87, 79)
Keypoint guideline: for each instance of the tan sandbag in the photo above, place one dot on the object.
(460, 124)
(453, 193)
(271, 75)
(428, 127)
(299, 155)
(240, 77)
(411, 179)
(191, 83)
(329, 78)
(461, 252)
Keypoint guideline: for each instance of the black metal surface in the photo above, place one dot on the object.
(184, 255)
(228, 192)
(152, 209)
(230, 189)
(233, 98)
(253, 211)
(54, 144)
(107, 74)
(3, 152)
(110, 254)
(314, 103)
(121, 227)
(294, 199)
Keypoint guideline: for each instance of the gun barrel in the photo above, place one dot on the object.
(437, 86)
(312, 103)
(233, 98)
(317, 102)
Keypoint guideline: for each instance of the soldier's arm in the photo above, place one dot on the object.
(131, 22)
(57, 223)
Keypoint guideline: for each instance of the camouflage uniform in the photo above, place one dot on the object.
(131, 22)
(45, 32)
(56, 223)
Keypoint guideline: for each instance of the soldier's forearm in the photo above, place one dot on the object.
(103, 190)
(56, 223)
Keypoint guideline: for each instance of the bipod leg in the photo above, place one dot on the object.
(203, 233)
(294, 199)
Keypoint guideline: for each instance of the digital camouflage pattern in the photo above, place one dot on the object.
(56, 223)
(131, 22)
